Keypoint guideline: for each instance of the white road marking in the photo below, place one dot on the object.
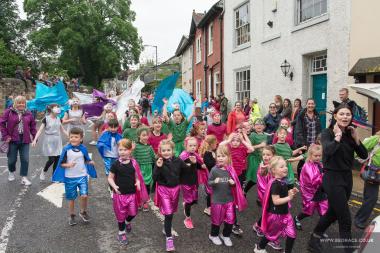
(156, 212)
(54, 194)
(4, 237)
(5, 171)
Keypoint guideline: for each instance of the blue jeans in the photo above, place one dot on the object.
(23, 149)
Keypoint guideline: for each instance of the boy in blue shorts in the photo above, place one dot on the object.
(74, 167)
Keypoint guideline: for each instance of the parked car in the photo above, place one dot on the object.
(370, 242)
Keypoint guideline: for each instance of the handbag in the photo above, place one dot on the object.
(369, 172)
(4, 145)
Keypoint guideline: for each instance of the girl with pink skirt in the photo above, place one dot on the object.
(276, 219)
(313, 196)
(226, 195)
(166, 174)
(128, 186)
(190, 178)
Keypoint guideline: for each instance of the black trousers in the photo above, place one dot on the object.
(370, 195)
(338, 186)
(50, 161)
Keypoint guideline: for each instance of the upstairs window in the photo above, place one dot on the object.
(242, 22)
(308, 9)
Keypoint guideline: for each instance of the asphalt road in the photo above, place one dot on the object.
(29, 223)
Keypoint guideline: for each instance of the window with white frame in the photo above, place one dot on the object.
(319, 63)
(308, 9)
(198, 84)
(243, 84)
(217, 87)
(210, 38)
(198, 50)
(242, 23)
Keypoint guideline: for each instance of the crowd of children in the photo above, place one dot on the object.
(172, 156)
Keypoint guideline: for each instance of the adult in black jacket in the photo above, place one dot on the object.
(339, 143)
(308, 125)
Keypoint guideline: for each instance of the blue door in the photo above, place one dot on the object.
(320, 95)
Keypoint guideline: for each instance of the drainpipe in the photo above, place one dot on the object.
(221, 48)
(205, 66)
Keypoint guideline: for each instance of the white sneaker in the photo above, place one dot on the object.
(227, 241)
(215, 240)
(25, 181)
(42, 176)
(11, 176)
(257, 250)
(93, 143)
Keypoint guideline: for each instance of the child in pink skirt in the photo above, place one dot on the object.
(226, 195)
(189, 178)
(313, 196)
(128, 186)
(166, 174)
(276, 219)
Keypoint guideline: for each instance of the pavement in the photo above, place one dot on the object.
(30, 223)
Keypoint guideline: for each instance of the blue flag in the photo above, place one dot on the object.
(164, 90)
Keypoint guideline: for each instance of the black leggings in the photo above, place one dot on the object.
(302, 216)
(122, 224)
(227, 230)
(50, 161)
(147, 186)
(248, 186)
(188, 208)
(338, 186)
(168, 225)
(288, 246)
(208, 200)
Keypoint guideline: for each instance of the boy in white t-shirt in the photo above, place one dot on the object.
(74, 167)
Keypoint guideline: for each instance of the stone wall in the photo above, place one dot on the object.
(15, 87)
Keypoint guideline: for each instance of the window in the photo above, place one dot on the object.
(210, 38)
(308, 9)
(198, 50)
(217, 87)
(198, 89)
(243, 84)
(319, 63)
(242, 34)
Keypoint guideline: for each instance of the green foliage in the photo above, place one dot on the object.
(91, 39)
(9, 61)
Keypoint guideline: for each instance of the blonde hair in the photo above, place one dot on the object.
(273, 163)
(207, 143)
(165, 142)
(125, 143)
(19, 99)
(224, 150)
(189, 138)
(312, 149)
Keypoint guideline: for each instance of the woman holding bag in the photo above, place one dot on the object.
(18, 128)
(371, 187)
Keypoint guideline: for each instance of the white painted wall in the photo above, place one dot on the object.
(187, 70)
(264, 56)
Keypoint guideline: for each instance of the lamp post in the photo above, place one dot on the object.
(285, 68)
(155, 73)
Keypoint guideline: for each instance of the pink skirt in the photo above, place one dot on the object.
(169, 196)
(189, 193)
(223, 213)
(280, 225)
(124, 205)
(310, 207)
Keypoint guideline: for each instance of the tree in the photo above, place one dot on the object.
(9, 61)
(91, 38)
(10, 25)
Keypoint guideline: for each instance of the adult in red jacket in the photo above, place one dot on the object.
(235, 117)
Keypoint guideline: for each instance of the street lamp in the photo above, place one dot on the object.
(285, 68)
(155, 74)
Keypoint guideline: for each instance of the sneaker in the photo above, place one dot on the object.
(314, 244)
(25, 181)
(258, 231)
(207, 211)
(275, 245)
(11, 176)
(93, 143)
(146, 207)
(227, 241)
(237, 230)
(42, 176)
(257, 250)
(72, 220)
(297, 223)
(128, 227)
(170, 244)
(188, 223)
(122, 238)
(84, 216)
(215, 240)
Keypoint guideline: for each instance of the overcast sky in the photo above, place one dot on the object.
(162, 23)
